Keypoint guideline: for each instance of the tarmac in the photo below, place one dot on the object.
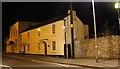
(85, 62)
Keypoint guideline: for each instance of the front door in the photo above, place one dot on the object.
(45, 48)
(23, 49)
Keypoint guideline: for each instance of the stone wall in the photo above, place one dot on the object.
(107, 47)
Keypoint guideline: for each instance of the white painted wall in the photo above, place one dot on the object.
(46, 33)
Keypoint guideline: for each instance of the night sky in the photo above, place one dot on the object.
(39, 11)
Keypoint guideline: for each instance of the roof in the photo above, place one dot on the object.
(47, 22)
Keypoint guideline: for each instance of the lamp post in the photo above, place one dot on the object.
(117, 7)
(96, 47)
(72, 30)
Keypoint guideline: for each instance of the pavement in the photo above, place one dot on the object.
(85, 62)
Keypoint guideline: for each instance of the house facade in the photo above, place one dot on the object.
(15, 36)
(50, 39)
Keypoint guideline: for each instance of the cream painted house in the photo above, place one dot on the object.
(49, 38)
(15, 30)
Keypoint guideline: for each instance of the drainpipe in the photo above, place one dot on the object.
(72, 30)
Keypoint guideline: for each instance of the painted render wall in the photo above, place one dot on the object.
(45, 33)
(17, 27)
(13, 36)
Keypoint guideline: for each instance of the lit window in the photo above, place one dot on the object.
(54, 45)
(53, 29)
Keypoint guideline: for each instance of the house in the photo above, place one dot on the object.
(15, 37)
(50, 37)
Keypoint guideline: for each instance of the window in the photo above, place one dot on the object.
(39, 46)
(53, 29)
(54, 45)
(38, 33)
(10, 34)
(16, 33)
(28, 47)
(28, 34)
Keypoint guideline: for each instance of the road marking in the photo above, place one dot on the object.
(5, 66)
(65, 65)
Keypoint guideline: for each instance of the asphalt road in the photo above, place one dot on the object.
(16, 63)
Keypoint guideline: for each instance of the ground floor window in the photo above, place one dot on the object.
(39, 46)
(28, 47)
(53, 45)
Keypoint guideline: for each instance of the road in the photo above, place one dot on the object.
(16, 63)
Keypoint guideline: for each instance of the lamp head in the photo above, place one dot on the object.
(116, 5)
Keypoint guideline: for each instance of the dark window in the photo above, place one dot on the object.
(10, 34)
(28, 34)
(53, 29)
(39, 46)
(38, 33)
(16, 33)
(28, 47)
(54, 45)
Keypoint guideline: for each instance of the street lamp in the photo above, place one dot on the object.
(117, 7)
(96, 47)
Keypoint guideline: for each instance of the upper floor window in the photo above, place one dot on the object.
(10, 35)
(16, 33)
(28, 34)
(38, 31)
(53, 29)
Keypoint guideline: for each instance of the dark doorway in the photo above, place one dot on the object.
(45, 47)
(67, 51)
(24, 49)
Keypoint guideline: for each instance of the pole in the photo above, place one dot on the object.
(72, 31)
(96, 48)
(118, 20)
(65, 39)
(65, 30)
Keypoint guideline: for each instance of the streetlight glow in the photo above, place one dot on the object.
(116, 5)
(64, 27)
(38, 29)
